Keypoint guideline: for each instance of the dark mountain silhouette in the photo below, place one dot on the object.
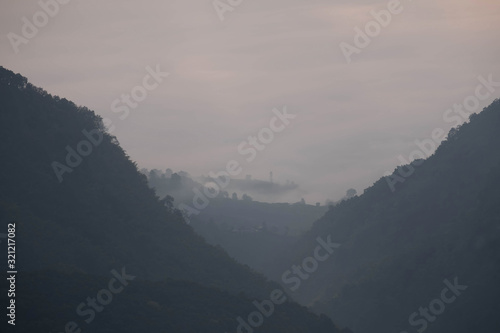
(82, 210)
(398, 248)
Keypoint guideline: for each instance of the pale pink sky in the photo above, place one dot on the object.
(353, 120)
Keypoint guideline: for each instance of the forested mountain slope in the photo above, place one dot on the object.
(82, 210)
(398, 247)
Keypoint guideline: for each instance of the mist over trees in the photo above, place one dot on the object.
(398, 251)
(181, 184)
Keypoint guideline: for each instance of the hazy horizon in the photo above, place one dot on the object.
(226, 77)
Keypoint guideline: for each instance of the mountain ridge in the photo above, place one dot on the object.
(101, 217)
(442, 222)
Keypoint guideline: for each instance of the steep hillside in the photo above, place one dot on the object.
(102, 213)
(397, 248)
(82, 210)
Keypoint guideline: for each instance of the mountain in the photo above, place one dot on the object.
(84, 215)
(254, 233)
(230, 210)
(53, 301)
(180, 185)
(424, 257)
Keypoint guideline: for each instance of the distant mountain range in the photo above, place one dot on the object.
(254, 233)
(180, 185)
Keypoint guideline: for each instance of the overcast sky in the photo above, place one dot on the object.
(352, 121)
